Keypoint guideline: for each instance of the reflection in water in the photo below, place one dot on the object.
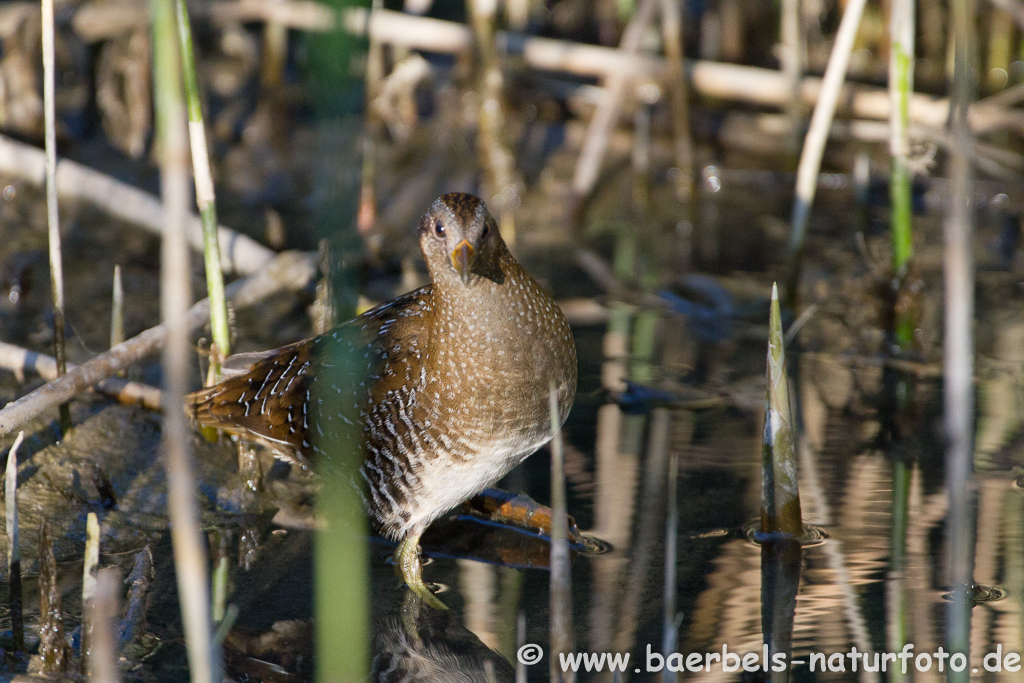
(433, 647)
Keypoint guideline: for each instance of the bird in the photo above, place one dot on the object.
(440, 391)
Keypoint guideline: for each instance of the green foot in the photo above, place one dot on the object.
(407, 557)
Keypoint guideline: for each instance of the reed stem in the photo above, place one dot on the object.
(780, 493)
(14, 597)
(89, 587)
(205, 196)
(958, 361)
(117, 310)
(190, 560)
(52, 215)
(817, 135)
(103, 659)
(901, 85)
(561, 565)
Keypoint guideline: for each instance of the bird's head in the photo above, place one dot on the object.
(460, 241)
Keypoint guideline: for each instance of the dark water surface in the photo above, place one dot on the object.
(688, 372)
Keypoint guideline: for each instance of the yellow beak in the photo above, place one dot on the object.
(462, 259)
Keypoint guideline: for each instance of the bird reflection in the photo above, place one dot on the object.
(432, 646)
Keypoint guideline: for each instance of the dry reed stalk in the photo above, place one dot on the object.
(499, 163)
(792, 68)
(671, 619)
(821, 121)
(651, 493)
(52, 216)
(287, 271)
(103, 658)
(14, 598)
(190, 561)
(560, 629)
(89, 588)
(117, 310)
(99, 19)
(958, 343)
(588, 166)
(672, 12)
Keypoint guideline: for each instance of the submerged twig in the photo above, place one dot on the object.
(14, 547)
(52, 216)
(287, 271)
(138, 581)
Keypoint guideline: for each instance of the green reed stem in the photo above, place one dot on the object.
(205, 196)
(901, 85)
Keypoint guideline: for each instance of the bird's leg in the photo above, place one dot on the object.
(407, 557)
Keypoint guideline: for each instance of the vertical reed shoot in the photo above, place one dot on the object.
(958, 343)
(52, 216)
(901, 85)
(117, 310)
(89, 587)
(103, 660)
(190, 561)
(672, 12)
(14, 603)
(780, 493)
(560, 629)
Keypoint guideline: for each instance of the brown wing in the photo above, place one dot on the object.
(274, 400)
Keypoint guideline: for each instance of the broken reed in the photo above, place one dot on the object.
(780, 494)
(205, 197)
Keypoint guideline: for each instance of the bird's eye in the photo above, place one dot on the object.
(439, 229)
(486, 230)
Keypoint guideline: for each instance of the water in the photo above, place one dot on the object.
(871, 457)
